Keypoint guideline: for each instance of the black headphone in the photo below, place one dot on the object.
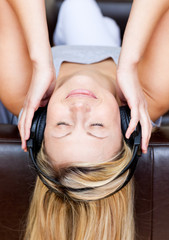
(37, 133)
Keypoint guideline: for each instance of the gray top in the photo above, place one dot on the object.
(83, 54)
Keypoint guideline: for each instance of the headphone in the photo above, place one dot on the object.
(36, 138)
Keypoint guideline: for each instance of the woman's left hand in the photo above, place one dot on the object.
(39, 93)
(130, 91)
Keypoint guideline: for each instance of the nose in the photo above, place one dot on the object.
(80, 111)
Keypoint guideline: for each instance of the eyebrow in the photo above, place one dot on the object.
(88, 133)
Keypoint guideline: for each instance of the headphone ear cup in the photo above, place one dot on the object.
(40, 128)
(125, 120)
(37, 130)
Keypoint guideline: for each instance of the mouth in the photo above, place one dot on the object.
(81, 93)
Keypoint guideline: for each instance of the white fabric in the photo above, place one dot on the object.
(80, 22)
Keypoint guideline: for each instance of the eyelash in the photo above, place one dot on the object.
(62, 123)
(97, 124)
(93, 124)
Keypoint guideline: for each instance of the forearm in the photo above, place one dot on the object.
(143, 19)
(32, 17)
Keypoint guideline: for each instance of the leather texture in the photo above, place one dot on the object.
(17, 179)
(152, 189)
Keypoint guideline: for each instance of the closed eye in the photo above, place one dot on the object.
(97, 124)
(63, 123)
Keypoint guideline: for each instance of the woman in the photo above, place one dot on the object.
(92, 113)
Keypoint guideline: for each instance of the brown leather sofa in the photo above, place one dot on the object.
(17, 176)
(17, 179)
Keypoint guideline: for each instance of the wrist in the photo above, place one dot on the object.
(41, 56)
(44, 68)
(128, 61)
(127, 67)
(44, 64)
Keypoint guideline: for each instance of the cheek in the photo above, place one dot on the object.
(56, 112)
(111, 105)
(112, 113)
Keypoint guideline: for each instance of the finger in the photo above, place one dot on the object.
(24, 146)
(28, 121)
(21, 129)
(146, 128)
(133, 122)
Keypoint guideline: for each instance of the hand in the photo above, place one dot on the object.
(130, 92)
(40, 90)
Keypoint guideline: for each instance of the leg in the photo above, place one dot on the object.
(15, 65)
(154, 70)
(81, 22)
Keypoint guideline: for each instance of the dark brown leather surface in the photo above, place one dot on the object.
(16, 183)
(17, 179)
(152, 189)
(160, 158)
(143, 197)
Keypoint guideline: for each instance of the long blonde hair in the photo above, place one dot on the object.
(92, 214)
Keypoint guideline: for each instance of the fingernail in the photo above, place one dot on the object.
(127, 135)
(144, 150)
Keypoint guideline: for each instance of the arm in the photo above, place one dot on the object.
(143, 19)
(32, 18)
(144, 16)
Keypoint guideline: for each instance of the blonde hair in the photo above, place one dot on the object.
(94, 213)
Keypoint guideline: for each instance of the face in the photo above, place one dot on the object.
(83, 122)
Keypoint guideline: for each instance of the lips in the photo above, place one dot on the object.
(82, 93)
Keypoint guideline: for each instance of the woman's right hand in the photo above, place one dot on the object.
(130, 92)
(38, 95)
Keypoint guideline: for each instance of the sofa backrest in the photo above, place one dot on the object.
(17, 179)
